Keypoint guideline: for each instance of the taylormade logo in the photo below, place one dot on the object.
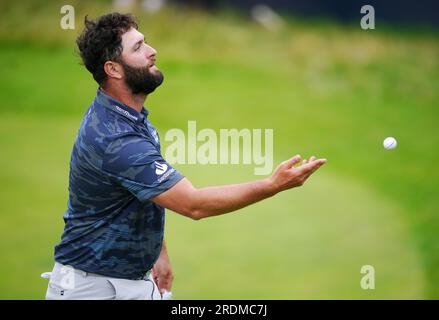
(155, 136)
(126, 113)
(160, 168)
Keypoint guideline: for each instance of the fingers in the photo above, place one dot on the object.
(305, 161)
(307, 165)
(293, 161)
(312, 166)
(165, 285)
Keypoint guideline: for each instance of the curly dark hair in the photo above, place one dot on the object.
(101, 40)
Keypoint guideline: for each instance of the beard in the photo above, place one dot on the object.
(140, 80)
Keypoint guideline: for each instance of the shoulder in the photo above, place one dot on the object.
(104, 129)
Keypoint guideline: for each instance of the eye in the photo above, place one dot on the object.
(139, 45)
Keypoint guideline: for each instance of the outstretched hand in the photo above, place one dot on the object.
(294, 172)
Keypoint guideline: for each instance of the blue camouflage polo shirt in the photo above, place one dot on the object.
(111, 226)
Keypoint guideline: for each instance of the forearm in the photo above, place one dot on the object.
(198, 203)
(217, 200)
(163, 251)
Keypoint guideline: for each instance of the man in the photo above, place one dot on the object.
(119, 185)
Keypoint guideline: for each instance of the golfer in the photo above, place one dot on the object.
(113, 243)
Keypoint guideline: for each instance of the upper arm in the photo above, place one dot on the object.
(180, 198)
(136, 164)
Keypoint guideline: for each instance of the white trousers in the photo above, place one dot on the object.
(67, 283)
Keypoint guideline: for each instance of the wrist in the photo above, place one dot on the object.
(270, 187)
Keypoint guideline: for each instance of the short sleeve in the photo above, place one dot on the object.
(137, 165)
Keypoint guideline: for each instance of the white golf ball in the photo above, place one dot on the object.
(390, 143)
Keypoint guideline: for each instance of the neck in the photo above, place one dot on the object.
(124, 95)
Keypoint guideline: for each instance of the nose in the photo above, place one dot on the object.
(151, 52)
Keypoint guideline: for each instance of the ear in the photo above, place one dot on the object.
(113, 69)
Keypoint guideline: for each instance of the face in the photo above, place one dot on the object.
(138, 62)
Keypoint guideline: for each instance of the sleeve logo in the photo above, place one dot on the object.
(160, 168)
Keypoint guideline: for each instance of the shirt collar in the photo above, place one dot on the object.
(109, 102)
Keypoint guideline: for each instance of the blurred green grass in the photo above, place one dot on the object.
(325, 89)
